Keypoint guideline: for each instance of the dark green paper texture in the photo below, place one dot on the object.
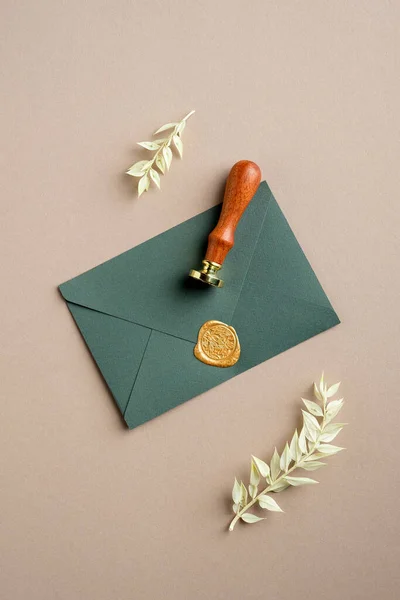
(140, 313)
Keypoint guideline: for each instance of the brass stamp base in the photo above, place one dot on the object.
(207, 274)
(217, 344)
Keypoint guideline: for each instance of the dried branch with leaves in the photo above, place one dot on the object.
(145, 169)
(303, 452)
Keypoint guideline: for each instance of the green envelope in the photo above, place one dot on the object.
(140, 313)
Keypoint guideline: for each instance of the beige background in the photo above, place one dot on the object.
(309, 90)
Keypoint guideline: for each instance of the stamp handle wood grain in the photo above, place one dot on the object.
(242, 183)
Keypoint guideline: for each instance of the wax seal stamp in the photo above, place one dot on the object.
(217, 344)
(241, 185)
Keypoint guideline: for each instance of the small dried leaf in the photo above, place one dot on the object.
(295, 453)
(315, 456)
(310, 434)
(333, 409)
(135, 174)
(137, 170)
(311, 426)
(178, 144)
(143, 185)
(253, 489)
(328, 449)
(302, 442)
(249, 518)
(285, 458)
(155, 177)
(165, 127)
(279, 486)
(311, 421)
(275, 465)
(243, 499)
(312, 465)
(317, 393)
(322, 384)
(160, 163)
(313, 408)
(167, 154)
(181, 127)
(332, 390)
(331, 431)
(254, 474)
(149, 145)
(296, 481)
(269, 503)
(262, 467)
(236, 492)
(236, 508)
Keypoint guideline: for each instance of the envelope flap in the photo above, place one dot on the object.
(149, 284)
(279, 265)
(179, 377)
(117, 347)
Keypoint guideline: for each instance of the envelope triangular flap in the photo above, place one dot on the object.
(117, 346)
(279, 264)
(282, 302)
(149, 284)
(169, 376)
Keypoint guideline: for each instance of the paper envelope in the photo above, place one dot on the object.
(140, 313)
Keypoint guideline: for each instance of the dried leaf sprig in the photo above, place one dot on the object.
(145, 169)
(303, 452)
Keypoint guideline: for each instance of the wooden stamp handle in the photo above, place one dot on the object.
(241, 185)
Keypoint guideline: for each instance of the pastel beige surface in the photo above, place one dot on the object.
(310, 91)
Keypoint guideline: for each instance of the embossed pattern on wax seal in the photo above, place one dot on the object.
(217, 344)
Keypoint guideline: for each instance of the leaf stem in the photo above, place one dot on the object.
(161, 148)
(188, 115)
(167, 142)
(273, 484)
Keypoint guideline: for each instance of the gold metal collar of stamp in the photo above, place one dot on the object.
(217, 344)
(208, 273)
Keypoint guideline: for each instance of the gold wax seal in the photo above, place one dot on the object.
(217, 344)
